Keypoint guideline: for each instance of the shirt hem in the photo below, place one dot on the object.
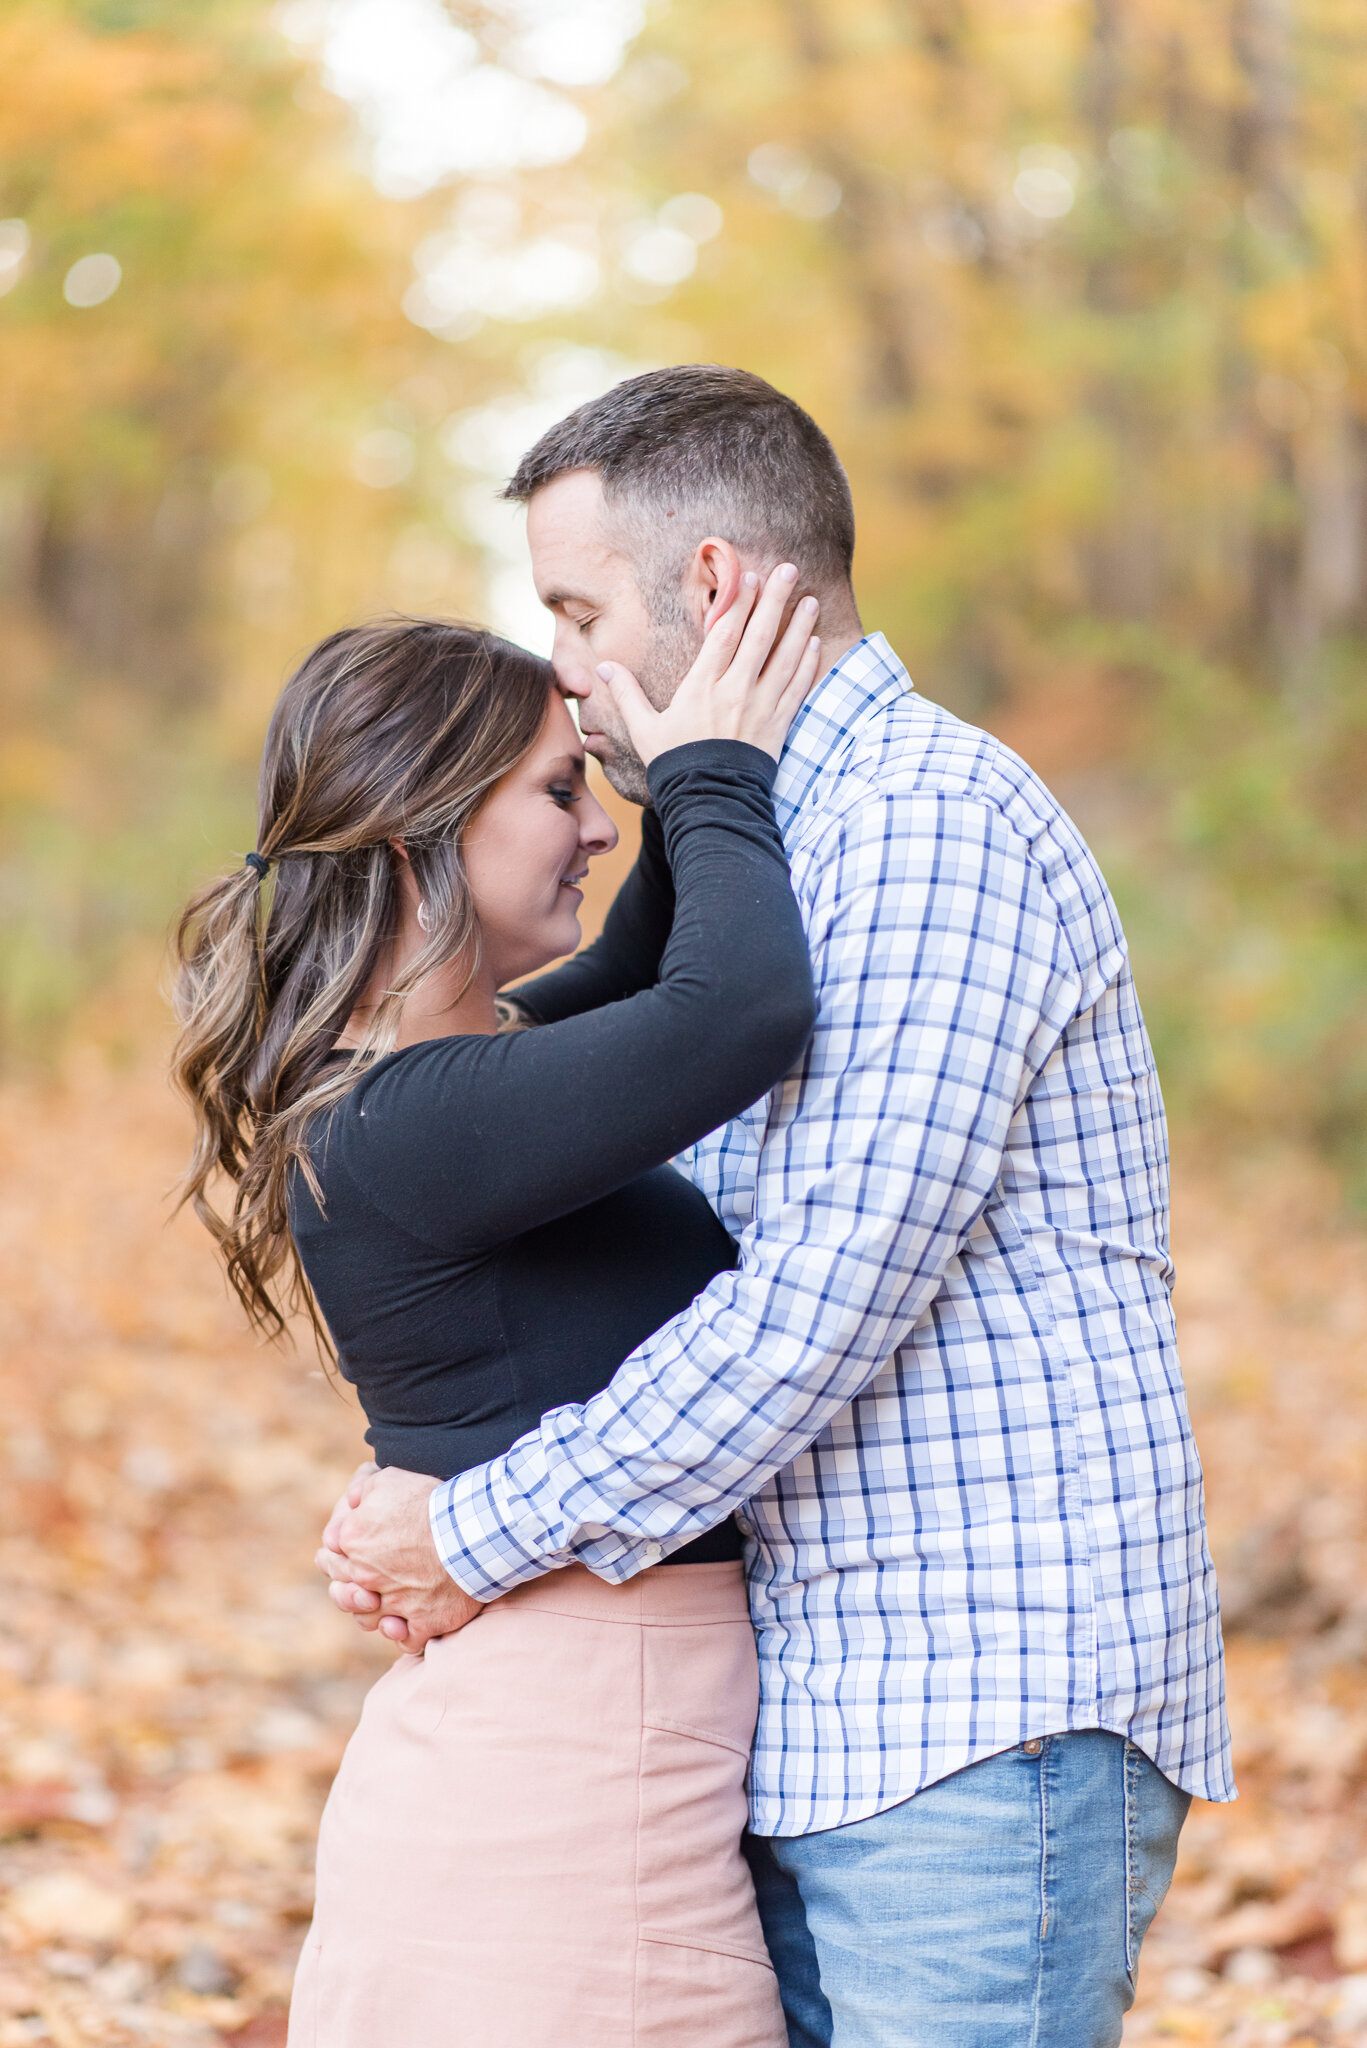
(1218, 1789)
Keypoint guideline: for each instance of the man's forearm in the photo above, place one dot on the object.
(858, 1213)
(711, 1406)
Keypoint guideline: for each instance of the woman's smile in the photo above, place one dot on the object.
(521, 844)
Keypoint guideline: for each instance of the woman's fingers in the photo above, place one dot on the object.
(761, 628)
(800, 682)
(747, 667)
(722, 635)
(779, 669)
(352, 1498)
(351, 1599)
(772, 709)
(635, 709)
(360, 1480)
(736, 645)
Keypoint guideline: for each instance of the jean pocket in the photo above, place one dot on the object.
(1155, 1809)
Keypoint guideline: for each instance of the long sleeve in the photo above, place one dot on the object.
(626, 957)
(468, 1141)
(943, 983)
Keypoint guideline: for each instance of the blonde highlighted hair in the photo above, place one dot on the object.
(393, 731)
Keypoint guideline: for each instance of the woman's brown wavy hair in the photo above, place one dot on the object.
(395, 730)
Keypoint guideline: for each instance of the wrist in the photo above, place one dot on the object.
(704, 757)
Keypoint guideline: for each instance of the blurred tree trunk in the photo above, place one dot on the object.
(861, 231)
(125, 585)
(1262, 160)
(1261, 130)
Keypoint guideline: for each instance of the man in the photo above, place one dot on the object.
(941, 1390)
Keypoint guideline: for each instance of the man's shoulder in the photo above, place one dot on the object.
(913, 757)
(914, 747)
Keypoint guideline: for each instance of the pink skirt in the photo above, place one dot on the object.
(534, 1837)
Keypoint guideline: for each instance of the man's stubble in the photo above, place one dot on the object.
(670, 652)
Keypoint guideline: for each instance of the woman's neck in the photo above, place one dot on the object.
(440, 1008)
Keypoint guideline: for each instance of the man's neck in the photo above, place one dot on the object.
(839, 633)
(835, 650)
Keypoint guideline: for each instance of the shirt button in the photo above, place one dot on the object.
(1033, 1747)
(654, 1552)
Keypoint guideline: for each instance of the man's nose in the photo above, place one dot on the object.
(572, 678)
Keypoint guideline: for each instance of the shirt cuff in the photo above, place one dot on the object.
(473, 1520)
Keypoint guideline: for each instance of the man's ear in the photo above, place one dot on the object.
(712, 580)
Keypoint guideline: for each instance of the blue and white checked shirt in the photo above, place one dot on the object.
(942, 1386)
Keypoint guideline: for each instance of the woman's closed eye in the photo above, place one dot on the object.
(564, 794)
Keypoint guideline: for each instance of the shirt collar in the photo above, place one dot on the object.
(866, 680)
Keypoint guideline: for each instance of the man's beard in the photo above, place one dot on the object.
(670, 653)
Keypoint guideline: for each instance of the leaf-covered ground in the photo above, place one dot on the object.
(175, 1691)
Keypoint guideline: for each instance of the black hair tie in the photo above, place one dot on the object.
(260, 863)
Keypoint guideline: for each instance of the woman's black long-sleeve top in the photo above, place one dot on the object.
(499, 1227)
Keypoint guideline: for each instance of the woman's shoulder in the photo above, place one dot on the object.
(410, 1086)
(395, 1138)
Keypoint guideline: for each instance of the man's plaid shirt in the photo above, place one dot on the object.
(942, 1387)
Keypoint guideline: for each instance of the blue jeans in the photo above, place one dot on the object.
(1000, 1908)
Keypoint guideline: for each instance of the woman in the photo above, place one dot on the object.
(534, 1838)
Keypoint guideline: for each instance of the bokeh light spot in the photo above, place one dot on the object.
(14, 247)
(1046, 183)
(92, 280)
(692, 214)
(661, 256)
(794, 181)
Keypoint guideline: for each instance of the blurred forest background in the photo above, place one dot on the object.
(1079, 289)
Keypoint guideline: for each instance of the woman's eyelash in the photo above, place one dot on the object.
(563, 794)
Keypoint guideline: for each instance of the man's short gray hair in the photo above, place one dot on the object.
(711, 450)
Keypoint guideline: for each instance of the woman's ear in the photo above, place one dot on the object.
(712, 580)
(409, 893)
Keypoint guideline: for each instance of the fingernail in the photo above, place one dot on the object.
(788, 572)
(604, 671)
(749, 579)
(808, 604)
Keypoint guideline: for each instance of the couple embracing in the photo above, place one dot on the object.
(783, 1489)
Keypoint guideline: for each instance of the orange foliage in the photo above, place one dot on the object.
(175, 1689)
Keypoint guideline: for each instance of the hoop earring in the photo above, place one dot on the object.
(424, 916)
